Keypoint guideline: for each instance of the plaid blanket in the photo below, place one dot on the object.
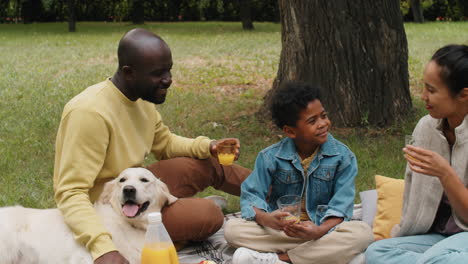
(216, 249)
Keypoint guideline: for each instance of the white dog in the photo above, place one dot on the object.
(40, 236)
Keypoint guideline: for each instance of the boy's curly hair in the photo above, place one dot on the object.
(289, 99)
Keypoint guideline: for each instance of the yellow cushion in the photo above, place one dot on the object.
(389, 204)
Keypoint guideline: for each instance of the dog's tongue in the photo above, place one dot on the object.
(130, 210)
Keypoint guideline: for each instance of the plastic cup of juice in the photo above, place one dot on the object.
(409, 140)
(292, 205)
(159, 253)
(226, 153)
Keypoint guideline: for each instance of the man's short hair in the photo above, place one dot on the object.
(131, 45)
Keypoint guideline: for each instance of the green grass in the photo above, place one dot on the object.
(220, 76)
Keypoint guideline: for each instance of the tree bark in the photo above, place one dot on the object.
(17, 11)
(32, 10)
(3, 9)
(27, 11)
(246, 15)
(71, 16)
(59, 10)
(356, 50)
(138, 12)
(417, 11)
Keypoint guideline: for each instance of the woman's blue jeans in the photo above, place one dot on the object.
(427, 249)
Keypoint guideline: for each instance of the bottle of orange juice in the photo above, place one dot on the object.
(158, 248)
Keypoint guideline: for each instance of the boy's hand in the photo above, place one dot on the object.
(305, 230)
(309, 231)
(273, 219)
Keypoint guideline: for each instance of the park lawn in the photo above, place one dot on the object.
(220, 75)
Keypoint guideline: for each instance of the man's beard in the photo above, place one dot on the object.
(151, 95)
(153, 98)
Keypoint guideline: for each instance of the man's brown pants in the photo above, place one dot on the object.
(191, 218)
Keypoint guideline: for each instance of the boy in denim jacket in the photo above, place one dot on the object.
(310, 163)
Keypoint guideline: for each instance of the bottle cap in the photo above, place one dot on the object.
(154, 217)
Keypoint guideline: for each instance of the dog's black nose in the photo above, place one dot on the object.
(129, 191)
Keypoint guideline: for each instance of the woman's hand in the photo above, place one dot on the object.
(427, 162)
(430, 163)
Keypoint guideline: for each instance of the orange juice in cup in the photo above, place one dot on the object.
(409, 140)
(292, 217)
(290, 204)
(226, 158)
(226, 153)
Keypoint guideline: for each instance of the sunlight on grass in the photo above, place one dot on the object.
(220, 76)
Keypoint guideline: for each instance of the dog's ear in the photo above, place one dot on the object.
(106, 194)
(165, 197)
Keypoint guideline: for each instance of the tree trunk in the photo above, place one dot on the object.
(60, 12)
(246, 15)
(138, 12)
(417, 11)
(31, 10)
(71, 16)
(356, 50)
(17, 11)
(3, 9)
(27, 11)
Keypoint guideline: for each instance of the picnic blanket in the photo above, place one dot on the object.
(216, 249)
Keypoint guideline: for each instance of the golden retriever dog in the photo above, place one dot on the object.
(40, 236)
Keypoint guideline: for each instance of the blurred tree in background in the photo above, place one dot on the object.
(4, 6)
(246, 15)
(138, 11)
(434, 10)
(72, 7)
(31, 10)
(417, 11)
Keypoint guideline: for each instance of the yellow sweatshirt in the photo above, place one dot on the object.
(102, 133)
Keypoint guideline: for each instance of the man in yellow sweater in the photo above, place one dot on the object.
(114, 125)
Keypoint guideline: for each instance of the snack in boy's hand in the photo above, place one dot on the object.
(207, 262)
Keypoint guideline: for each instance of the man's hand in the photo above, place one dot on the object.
(272, 220)
(112, 257)
(233, 141)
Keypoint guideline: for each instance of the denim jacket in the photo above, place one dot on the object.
(329, 187)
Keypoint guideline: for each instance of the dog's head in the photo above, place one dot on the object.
(135, 193)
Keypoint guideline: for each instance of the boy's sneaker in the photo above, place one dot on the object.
(248, 256)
